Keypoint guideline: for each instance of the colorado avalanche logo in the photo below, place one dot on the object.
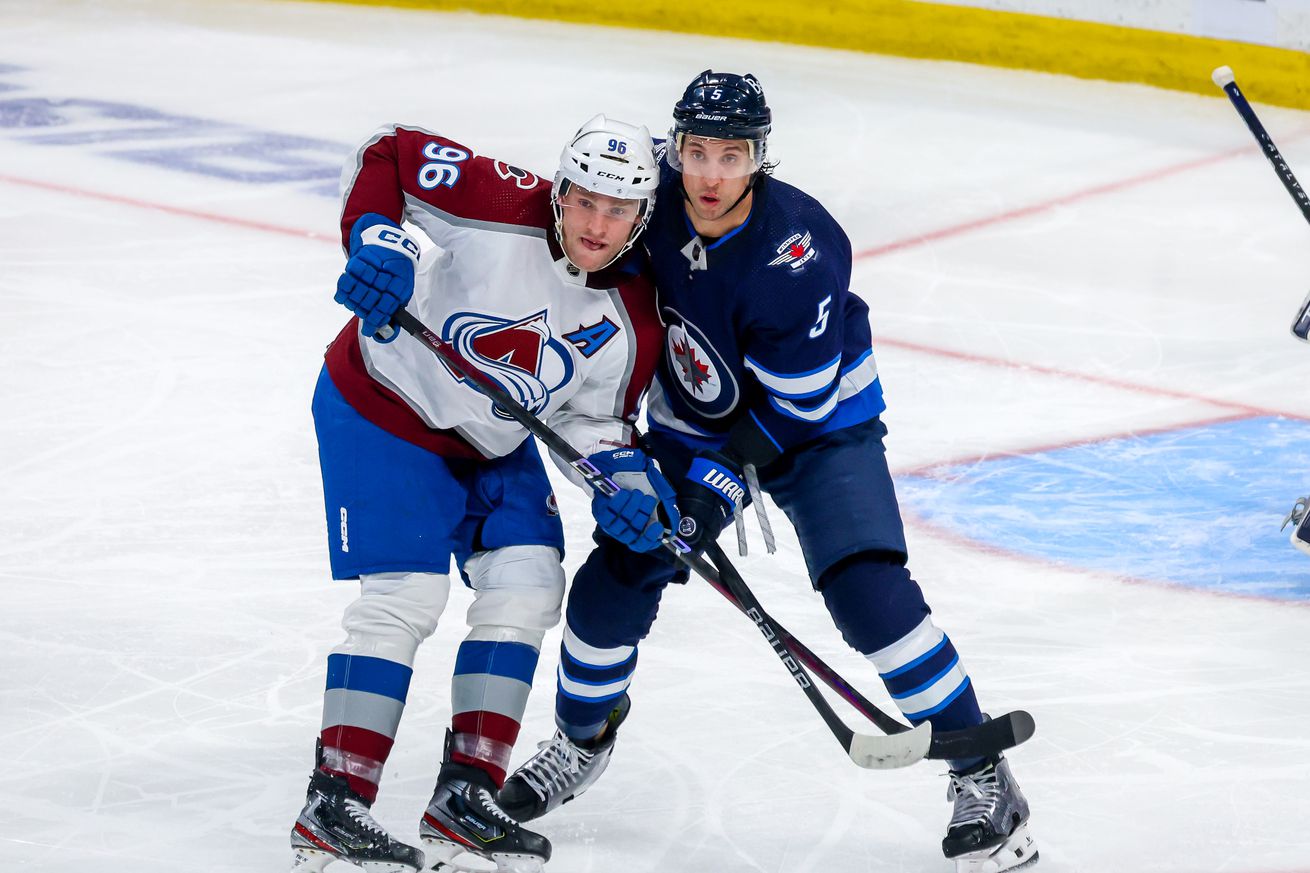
(697, 368)
(520, 356)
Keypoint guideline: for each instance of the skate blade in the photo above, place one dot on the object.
(314, 861)
(447, 857)
(1018, 852)
(311, 861)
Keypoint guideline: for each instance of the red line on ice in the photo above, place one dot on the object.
(974, 358)
(170, 210)
(1047, 205)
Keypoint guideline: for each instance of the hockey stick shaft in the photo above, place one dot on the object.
(1223, 77)
(865, 751)
(890, 751)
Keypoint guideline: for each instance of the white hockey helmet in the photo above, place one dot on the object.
(612, 158)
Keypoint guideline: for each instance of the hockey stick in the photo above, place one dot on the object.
(993, 736)
(1223, 77)
(902, 746)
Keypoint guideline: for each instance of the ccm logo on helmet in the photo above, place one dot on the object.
(605, 175)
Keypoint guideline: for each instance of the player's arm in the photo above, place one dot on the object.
(407, 174)
(599, 420)
(794, 350)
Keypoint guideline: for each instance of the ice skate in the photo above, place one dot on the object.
(988, 832)
(336, 825)
(465, 831)
(561, 771)
(1299, 518)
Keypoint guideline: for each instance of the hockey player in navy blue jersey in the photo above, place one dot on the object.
(768, 372)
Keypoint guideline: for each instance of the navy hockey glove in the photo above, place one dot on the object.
(632, 515)
(707, 498)
(379, 276)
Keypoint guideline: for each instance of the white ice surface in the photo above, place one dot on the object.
(164, 603)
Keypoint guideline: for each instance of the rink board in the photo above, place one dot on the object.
(1198, 506)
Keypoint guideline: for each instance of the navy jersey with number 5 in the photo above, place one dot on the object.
(761, 321)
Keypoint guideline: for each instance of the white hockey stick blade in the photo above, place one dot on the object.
(1301, 327)
(892, 752)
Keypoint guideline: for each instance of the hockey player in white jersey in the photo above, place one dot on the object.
(531, 282)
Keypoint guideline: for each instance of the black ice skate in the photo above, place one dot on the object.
(561, 771)
(464, 819)
(336, 825)
(1299, 518)
(988, 832)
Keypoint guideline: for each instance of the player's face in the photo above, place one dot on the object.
(715, 173)
(595, 227)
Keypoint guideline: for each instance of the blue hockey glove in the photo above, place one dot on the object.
(379, 276)
(632, 515)
(707, 498)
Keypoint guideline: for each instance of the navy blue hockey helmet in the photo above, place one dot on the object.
(724, 106)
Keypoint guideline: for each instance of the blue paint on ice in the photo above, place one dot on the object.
(1198, 506)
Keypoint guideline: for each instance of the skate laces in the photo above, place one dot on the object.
(360, 815)
(976, 797)
(551, 767)
(490, 805)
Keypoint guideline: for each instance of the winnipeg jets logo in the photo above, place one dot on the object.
(697, 368)
(795, 252)
(695, 372)
(520, 356)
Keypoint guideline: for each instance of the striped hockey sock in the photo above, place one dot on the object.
(489, 693)
(361, 711)
(924, 675)
(591, 681)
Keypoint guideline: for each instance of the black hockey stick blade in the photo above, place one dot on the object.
(989, 738)
(875, 752)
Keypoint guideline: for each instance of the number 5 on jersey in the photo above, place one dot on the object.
(822, 324)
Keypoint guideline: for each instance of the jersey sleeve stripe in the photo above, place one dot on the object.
(370, 198)
(636, 306)
(416, 206)
(796, 386)
(812, 414)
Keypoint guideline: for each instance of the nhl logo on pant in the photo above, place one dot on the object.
(687, 526)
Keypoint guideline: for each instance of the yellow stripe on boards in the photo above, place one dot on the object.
(913, 29)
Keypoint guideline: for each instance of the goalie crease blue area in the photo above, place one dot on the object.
(1198, 506)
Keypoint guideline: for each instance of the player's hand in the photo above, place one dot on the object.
(707, 498)
(379, 276)
(633, 514)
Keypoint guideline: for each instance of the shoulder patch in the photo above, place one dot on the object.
(795, 252)
(522, 178)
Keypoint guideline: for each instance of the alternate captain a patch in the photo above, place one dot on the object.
(589, 339)
(697, 368)
(795, 252)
